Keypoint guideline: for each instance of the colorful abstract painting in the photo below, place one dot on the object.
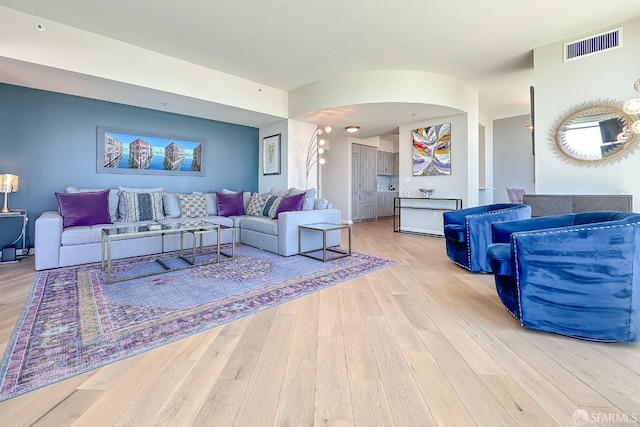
(432, 150)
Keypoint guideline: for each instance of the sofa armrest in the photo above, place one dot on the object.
(48, 238)
(288, 223)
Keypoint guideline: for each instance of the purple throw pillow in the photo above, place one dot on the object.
(230, 204)
(88, 208)
(291, 203)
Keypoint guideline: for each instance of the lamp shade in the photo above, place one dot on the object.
(8, 183)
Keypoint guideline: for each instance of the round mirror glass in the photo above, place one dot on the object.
(594, 133)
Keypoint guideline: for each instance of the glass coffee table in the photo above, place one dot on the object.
(324, 253)
(197, 230)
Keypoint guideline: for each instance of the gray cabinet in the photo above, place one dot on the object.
(387, 163)
(363, 182)
(385, 203)
(396, 164)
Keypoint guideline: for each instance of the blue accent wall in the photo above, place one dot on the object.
(49, 140)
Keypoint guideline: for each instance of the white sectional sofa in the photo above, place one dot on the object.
(58, 246)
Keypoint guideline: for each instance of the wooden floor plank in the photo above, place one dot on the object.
(259, 404)
(298, 390)
(478, 399)
(405, 400)
(192, 392)
(333, 396)
(423, 342)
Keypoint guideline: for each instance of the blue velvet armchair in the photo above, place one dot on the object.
(575, 274)
(468, 232)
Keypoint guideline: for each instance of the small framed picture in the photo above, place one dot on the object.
(271, 155)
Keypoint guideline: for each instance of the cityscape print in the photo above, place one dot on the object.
(129, 151)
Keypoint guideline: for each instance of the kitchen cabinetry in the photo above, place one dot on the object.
(396, 164)
(385, 203)
(363, 182)
(387, 163)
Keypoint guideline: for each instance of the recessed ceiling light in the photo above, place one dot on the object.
(352, 129)
(38, 26)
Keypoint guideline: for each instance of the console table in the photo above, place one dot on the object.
(556, 204)
(422, 215)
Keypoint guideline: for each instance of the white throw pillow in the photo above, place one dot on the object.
(171, 204)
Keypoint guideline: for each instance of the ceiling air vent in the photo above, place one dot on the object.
(593, 44)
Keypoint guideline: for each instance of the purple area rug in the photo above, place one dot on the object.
(73, 322)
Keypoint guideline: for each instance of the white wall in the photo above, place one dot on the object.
(485, 160)
(457, 184)
(401, 86)
(86, 55)
(383, 86)
(560, 86)
(300, 134)
(512, 157)
(336, 175)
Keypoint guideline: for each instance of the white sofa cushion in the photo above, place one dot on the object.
(260, 224)
(91, 234)
(222, 220)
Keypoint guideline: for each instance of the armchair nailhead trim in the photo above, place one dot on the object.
(515, 235)
(468, 237)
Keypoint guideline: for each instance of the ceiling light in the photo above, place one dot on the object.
(38, 26)
(352, 129)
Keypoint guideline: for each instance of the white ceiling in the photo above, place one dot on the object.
(284, 44)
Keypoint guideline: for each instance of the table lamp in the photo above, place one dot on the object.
(8, 184)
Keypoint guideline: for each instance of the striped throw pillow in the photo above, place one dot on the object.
(141, 206)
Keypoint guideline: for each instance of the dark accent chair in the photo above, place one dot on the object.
(468, 232)
(573, 274)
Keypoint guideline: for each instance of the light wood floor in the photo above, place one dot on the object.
(422, 343)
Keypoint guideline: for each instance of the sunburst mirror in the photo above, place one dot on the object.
(594, 133)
